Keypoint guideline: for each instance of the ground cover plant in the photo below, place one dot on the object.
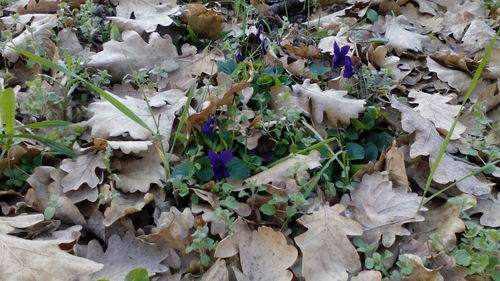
(249, 140)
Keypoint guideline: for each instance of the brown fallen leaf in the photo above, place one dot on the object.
(206, 23)
(420, 272)
(305, 51)
(331, 104)
(368, 275)
(265, 255)
(81, 170)
(490, 209)
(381, 209)
(457, 79)
(327, 254)
(217, 272)
(443, 219)
(428, 142)
(126, 204)
(395, 167)
(124, 254)
(32, 260)
(41, 6)
(8, 224)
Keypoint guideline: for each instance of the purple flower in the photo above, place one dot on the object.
(208, 127)
(239, 56)
(219, 162)
(340, 58)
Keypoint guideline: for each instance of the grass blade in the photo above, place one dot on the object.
(45, 124)
(57, 147)
(8, 110)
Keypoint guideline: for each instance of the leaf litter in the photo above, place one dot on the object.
(280, 140)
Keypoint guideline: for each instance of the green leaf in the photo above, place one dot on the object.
(230, 202)
(185, 170)
(226, 66)
(379, 40)
(268, 209)
(291, 211)
(8, 110)
(372, 15)
(462, 257)
(238, 169)
(205, 172)
(138, 274)
(49, 212)
(355, 151)
(120, 106)
(46, 124)
(318, 69)
(371, 152)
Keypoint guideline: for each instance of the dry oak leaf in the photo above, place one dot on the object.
(443, 219)
(126, 204)
(41, 6)
(32, 260)
(8, 224)
(206, 23)
(217, 272)
(173, 229)
(338, 109)
(490, 207)
(265, 255)
(124, 254)
(477, 36)
(400, 38)
(455, 78)
(40, 30)
(428, 142)
(108, 121)
(381, 209)
(368, 275)
(137, 174)
(420, 272)
(395, 167)
(327, 253)
(305, 51)
(436, 109)
(81, 170)
(492, 68)
(144, 15)
(297, 165)
(133, 54)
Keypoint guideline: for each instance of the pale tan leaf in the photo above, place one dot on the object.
(443, 219)
(477, 36)
(331, 104)
(228, 247)
(436, 109)
(490, 207)
(147, 14)
(492, 68)
(126, 204)
(266, 256)
(8, 224)
(427, 143)
(32, 260)
(381, 209)
(121, 58)
(41, 6)
(395, 167)
(137, 174)
(124, 254)
(420, 272)
(130, 146)
(295, 166)
(327, 253)
(455, 78)
(108, 121)
(400, 37)
(368, 275)
(81, 170)
(217, 272)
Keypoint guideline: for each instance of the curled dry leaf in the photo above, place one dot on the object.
(8, 224)
(124, 254)
(436, 109)
(443, 219)
(457, 79)
(420, 272)
(395, 167)
(295, 166)
(490, 207)
(32, 260)
(130, 146)
(142, 15)
(401, 39)
(381, 209)
(81, 170)
(206, 23)
(304, 50)
(427, 143)
(265, 255)
(126, 204)
(331, 104)
(327, 254)
(133, 54)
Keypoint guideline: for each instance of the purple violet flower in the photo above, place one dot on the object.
(239, 56)
(340, 58)
(219, 162)
(208, 127)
